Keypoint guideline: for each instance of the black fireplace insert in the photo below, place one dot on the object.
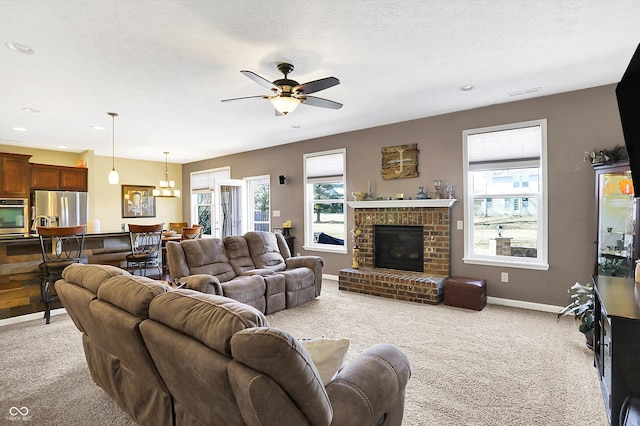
(399, 247)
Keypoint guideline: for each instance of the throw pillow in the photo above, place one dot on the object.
(327, 354)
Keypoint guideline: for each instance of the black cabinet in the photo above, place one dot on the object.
(617, 340)
(617, 224)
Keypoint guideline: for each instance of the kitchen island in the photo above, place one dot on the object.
(20, 258)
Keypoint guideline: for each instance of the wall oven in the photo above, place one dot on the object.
(14, 216)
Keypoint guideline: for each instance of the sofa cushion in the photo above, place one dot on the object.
(90, 276)
(238, 254)
(208, 318)
(131, 293)
(208, 256)
(328, 355)
(282, 357)
(265, 251)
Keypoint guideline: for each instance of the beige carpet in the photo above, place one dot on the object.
(500, 366)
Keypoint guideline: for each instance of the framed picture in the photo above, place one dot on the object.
(138, 201)
(277, 230)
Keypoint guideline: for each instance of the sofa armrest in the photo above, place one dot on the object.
(315, 263)
(203, 283)
(371, 388)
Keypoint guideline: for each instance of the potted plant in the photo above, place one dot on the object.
(582, 306)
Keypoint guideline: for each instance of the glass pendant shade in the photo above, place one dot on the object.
(113, 177)
(285, 104)
(113, 174)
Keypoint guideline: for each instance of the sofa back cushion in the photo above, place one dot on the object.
(188, 336)
(264, 250)
(208, 256)
(238, 254)
(90, 276)
(282, 357)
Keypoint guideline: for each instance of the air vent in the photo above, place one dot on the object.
(525, 92)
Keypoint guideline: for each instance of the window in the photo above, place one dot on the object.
(202, 196)
(505, 195)
(258, 202)
(325, 207)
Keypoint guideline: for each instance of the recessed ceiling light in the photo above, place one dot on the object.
(467, 87)
(61, 147)
(20, 48)
(19, 129)
(31, 110)
(97, 127)
(296, 126)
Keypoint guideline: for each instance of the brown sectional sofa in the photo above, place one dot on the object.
(181, 357)
(255, 268)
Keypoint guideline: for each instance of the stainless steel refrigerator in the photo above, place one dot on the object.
(59, 208)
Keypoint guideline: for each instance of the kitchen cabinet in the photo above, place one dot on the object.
(617, 226)
(58, 178)
(14, 175)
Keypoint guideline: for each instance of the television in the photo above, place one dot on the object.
(628, 94)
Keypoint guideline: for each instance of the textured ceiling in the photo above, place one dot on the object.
(164, 66)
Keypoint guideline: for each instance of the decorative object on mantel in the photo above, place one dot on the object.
(400, 161)
(449, 191)
(167, 187)
(358, 196)
(437, 184)
(421, 195)
(369, 196)
(606, 156)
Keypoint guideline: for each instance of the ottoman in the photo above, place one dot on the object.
(470, 293)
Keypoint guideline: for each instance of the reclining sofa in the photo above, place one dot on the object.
(255, 268)
(181, 357)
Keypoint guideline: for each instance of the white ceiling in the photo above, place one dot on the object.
(164, 66)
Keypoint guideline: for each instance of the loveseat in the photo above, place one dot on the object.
(255, 268)
(181, 357)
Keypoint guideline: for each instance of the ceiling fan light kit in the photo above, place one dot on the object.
(288, 94)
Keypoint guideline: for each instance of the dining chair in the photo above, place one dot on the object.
(145, 248)
(61, 246)
(191, 233)
(177, 226)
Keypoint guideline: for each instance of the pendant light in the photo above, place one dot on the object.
(113, 174)
(167, 187)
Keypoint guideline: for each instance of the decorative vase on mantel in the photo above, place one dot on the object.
(421, 195)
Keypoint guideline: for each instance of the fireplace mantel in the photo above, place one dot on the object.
(377, 204)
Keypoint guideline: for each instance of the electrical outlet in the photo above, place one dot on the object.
(460, 224)
(504, 277)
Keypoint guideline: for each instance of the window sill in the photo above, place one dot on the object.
(326, 249)
(507, 264)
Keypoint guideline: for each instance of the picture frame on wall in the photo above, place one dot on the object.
(138, 201)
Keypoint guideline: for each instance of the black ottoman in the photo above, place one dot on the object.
(470, 293)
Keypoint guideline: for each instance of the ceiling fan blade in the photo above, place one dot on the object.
(260, 80)
(316, 85)
(246, 97)
(320, 102)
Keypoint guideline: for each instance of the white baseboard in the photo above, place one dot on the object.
(329, 277)
(523, 305)
(29, 317)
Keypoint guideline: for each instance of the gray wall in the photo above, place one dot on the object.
(576, 122)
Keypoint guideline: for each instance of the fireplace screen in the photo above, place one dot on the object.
(398, 247)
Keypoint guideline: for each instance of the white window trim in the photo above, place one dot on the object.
(308, 226)
(540, 263)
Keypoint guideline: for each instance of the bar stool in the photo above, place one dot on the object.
(145, 248)
(61, 246)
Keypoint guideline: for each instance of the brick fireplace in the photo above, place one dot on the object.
(422, 287)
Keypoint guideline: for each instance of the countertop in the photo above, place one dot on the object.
(17, 238)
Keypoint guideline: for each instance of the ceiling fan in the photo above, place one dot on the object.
(288, 94)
